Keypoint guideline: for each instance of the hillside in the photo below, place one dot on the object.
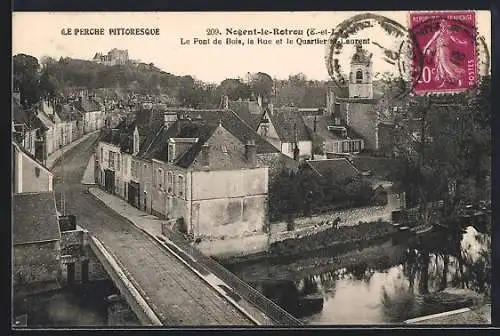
(139, 78)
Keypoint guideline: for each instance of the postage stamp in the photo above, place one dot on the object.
(390, 42)
(447, 41)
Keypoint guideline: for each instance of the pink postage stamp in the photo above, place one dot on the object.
(446, 41)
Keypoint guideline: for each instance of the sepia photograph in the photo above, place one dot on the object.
(251, 169)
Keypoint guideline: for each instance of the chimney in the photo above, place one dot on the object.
(225, 102)
(251, 152)
(205, 155)
(330, 102)
(259, 101)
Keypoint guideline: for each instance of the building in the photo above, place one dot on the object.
(285, 129)
(25, 126)
(48, 137)
(29, 175)
(368, 113)
(71, 121)
(331, 134)
(93, 113)
(36, 243)
(113, 57)
(383, 173)
(141, 148)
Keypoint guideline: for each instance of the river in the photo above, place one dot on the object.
(69, 307)
(374, 285)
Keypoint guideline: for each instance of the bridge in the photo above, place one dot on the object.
(163, 282)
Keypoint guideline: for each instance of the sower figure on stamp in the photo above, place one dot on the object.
(439, 49)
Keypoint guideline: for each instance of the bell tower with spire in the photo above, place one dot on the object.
(360, 77)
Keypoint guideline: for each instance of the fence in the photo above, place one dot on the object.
(250, 294)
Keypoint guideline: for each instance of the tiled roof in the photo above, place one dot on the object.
(118, 138)
(66, 112)
(322, 123)
(231, 122)
(381, 167)
(214, 134)
(34, 218)
(87, 105)
(341, 169)
(287, 121)
(248, 111)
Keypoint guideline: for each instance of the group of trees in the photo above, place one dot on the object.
(302, 192)
(449, 160)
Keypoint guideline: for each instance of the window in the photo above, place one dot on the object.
(180, 187)
(159, 178)
(357, 145)
(37, 171)
(359, 76)
(111, 159)
(134, 167)
(170, 182)
(118, 162)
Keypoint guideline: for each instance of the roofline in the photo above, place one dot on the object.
(111, 144)
(336, 159)
(38, 241)
(31, 158)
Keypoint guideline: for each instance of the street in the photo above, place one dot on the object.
(176, 294)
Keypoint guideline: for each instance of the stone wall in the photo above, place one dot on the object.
(303, 241)
(348, 217)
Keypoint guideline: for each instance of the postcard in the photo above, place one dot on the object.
(251, 169)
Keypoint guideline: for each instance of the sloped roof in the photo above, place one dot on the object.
(87, 105)
(34, 218)
(322, 123)
(249, 111)
(341, 169)
(66, 113)
(288, 121)
(232, 123)
(381, 167)
(214, 134)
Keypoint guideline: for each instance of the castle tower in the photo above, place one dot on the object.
(360, 77)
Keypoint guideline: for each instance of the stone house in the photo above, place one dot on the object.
(48, 136)
(206, 177)
(36, 240)
(29, 175)
(368, 113)
(285, 129)
(93, 113)
(25, 126)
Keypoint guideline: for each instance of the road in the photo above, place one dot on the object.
(175, 293)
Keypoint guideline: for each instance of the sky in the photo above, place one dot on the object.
(39, 34)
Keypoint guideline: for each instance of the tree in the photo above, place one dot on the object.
(262, 84)
(234, 89)
(26, 77)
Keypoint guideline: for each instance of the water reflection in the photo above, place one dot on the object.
(368, 292)
(77, 306)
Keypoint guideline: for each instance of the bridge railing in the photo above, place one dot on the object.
(249, 293)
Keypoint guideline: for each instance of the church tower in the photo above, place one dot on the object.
(360, 77)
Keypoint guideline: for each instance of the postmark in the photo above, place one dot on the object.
(449, 45)
(393, 46)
